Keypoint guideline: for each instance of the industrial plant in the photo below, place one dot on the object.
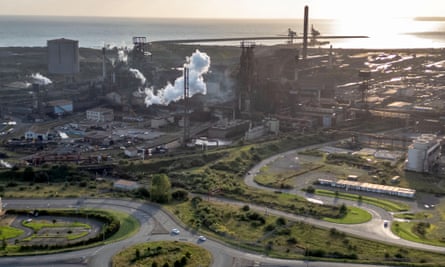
(171, 94)
(298, 149)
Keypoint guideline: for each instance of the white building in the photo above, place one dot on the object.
(423, 153)
(255, 132)
(36, 134)
(100, 114)
(272, 124)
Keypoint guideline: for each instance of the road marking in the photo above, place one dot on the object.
(95, 252)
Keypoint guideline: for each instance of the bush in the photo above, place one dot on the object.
(281, 221)
(142, 192)
(180, 195)
(310, 189)
(292, 241)
(269, 227)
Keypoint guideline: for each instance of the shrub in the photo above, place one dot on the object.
(180, 195)
(310, 189)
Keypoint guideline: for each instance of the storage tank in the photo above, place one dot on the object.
(415, 160)
(421, 144)
(63, 56)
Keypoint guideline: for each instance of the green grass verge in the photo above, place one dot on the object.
(7, 232)
(413, 216)
(37, 225)
(128, 227)
(163, 252)
(237, 226)
(355, 215)
(404, 230)
(382, 203)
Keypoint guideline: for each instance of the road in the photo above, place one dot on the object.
(373, 230)
(156, 225)
(151, 217)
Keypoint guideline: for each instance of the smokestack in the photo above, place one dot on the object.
(104, 71)
(305, 30)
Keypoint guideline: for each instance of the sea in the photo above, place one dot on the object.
(97, 32)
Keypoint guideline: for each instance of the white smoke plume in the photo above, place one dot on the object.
(122, 55)
(138, 75)
(199, 64)
(40, 79)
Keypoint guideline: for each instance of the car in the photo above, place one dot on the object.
(385, 223)
(202, 238)
(175, 231)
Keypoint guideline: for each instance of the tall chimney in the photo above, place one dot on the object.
(306, 22)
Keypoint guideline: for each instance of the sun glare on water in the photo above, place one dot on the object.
(387, 32)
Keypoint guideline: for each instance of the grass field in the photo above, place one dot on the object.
(279, 237)
(355, 215)
(128, 227)
(382, 203)
(162, 253)
(7, 232)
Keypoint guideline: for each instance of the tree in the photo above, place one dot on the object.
(343, 210)
(4, 244)
(137, 254)
(28, 174)
(160, 188)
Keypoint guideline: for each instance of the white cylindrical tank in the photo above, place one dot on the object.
(63, 56)
(415, 160)
(421, 144)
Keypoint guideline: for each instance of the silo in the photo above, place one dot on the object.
(63, 56)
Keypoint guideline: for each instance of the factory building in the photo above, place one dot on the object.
(63, 56)
(36, 133)
(423, 153)
(270, 125)
(61, 106)
(100, 114)
(227, 129)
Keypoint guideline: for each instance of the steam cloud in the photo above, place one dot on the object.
(138, 75)
(122, 55)
(199, 64)
(40, 79)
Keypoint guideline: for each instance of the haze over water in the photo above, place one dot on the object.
(94, 32)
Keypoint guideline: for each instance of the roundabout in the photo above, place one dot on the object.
(156, 225)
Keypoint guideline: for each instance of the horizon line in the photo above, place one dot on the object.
(438, 18)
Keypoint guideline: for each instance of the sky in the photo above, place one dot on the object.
(332, 9)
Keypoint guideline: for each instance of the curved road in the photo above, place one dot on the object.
(150, 217)
(156, 225)
(372, 230)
